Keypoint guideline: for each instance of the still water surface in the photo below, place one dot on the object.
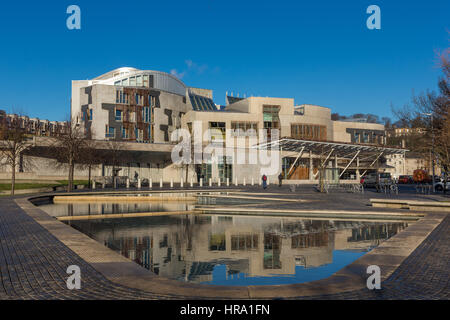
(229, 250)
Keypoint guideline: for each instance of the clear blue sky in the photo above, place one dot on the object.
(317, 52)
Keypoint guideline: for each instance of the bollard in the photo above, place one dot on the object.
(192, 183)
(244, 182)
(181, 183)
(171, 183)
(160, 183)
(201, 182)
(139, 183)
(103, 186)
(236, 182)
(93, 185)
(218, 182)
(150, 183)
(253, 181)
(228, 182)
(128, 183)
(268, 181)
(210, 182)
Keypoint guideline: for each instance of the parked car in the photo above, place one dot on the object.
(371, 179)
(439, 186)
(405, 179)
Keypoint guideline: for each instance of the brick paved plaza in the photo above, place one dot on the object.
(33, 261)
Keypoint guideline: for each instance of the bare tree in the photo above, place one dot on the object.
(429, 115)
(114, 157)
(89, 157)
(13, 142)
(69, 147)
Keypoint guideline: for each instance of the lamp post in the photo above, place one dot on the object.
(432, 148)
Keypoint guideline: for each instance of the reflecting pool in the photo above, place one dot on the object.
(237, 250)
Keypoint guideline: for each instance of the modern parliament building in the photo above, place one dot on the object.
(143, 108)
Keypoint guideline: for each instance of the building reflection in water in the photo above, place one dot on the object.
(190, 247)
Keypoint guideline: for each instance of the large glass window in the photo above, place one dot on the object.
(132, 81)
(145, 80)
(139, 81)
(244, 128)
(217, 242)
(119, 114)
(219, 126)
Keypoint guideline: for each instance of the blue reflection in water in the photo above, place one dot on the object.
(341, 258)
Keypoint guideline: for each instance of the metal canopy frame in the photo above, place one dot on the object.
(347, 151)
(341, 149)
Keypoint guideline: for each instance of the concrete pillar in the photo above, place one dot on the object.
(150, 183)
(311, 172)
(160, 183)
(139, 183)
(358, 177)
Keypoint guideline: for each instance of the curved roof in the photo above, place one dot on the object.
(161, 80)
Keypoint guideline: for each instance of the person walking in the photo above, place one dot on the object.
(280, 179)
(264, 181)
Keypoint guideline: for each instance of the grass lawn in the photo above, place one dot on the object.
(36, 185)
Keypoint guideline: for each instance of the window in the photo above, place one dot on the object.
(139, 81)
(299, 111)
(124, 133)
(244, 128)
(125, 82)
(132, 81)
(219, 126)
(145, 80)
(121, 97)
(244, 242)
(119, 114)
(217, 242)
(110, 132)
(366, 137)
(146, 114)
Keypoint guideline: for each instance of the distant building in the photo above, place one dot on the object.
(32, 126)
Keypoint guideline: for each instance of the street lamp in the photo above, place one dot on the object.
(432, 147)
